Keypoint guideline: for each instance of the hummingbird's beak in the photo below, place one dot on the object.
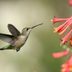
(36, 25)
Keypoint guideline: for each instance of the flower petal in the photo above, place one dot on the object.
(64, 26)
(56, 19)
(67, 66)
(66, 37)
(60, 54)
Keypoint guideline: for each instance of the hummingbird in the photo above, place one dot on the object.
(17, 39)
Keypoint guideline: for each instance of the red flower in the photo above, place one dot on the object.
(63, 28)
(60, 54)
(67, 37)
(67, 66)
(56, 19)
(70, 2)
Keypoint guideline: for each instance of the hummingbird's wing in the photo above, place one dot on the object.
(14, 31)
(6, 38)
(9, 47)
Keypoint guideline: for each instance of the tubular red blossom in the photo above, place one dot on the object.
(70, 41)
(60, 54)
(62, 28)
(58, 29)
(66, 37)
(70, 2)
(66, 27)
(67, 67)
(56, 19)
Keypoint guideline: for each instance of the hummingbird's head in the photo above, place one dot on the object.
(27, 30)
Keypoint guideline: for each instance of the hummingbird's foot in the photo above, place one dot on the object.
(17, 49)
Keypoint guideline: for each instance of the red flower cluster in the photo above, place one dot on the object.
(64, 29)
(67, 66)
(67, 25)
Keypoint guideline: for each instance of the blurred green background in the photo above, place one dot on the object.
(35, 55)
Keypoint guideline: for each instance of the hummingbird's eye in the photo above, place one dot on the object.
(27, 28)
